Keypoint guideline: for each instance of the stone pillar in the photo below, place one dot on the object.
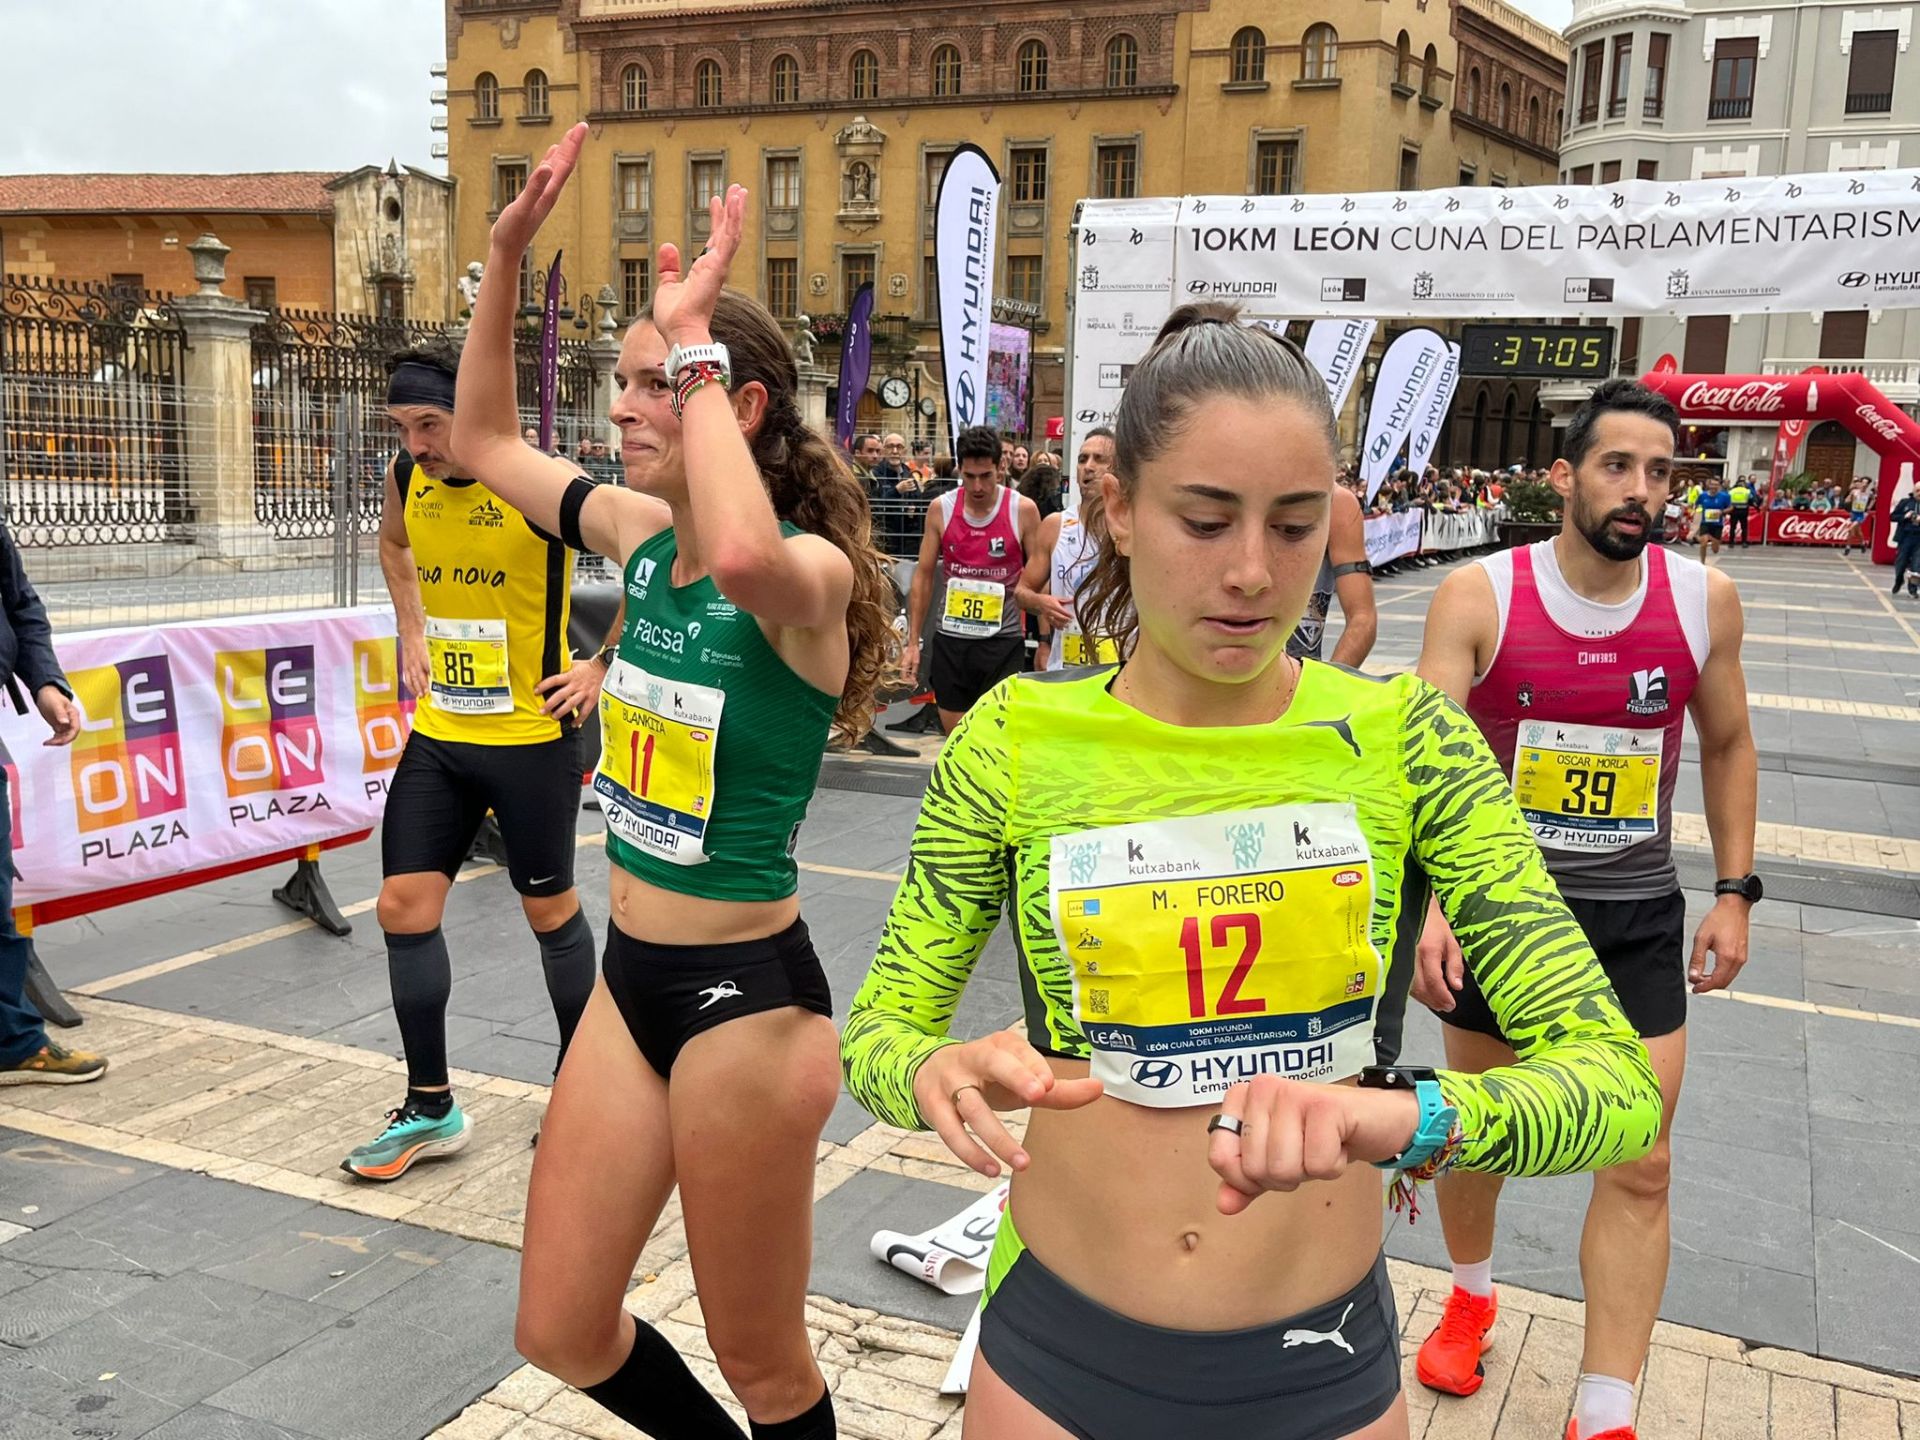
(604, 351)
(813, 398)
(217, 370)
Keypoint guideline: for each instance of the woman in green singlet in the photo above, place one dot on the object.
(757, 621)
(1210, 854)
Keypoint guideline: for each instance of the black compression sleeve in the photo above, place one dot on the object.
(578, 489)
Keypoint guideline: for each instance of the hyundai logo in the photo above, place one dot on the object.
(1155, 1074)
(969, 400)
(1854, 279)
(1196, 287)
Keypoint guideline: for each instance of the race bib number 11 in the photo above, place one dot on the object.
(656, 775)
(1213, 948)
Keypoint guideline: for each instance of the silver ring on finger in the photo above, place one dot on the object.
(955, 1097)
(1229, 1123)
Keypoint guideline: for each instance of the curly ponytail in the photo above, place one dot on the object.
(811, 487)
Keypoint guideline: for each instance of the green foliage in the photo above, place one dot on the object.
(1532, 500)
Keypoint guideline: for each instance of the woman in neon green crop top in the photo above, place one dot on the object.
(1209, 855)
(757, 617)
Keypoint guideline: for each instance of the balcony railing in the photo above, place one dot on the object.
(1589, 113)
(1738, 107)
(1617, 108)
(1877, 102)
(1653, 106)
(1898, 380)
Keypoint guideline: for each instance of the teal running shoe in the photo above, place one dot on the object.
(409, 1136)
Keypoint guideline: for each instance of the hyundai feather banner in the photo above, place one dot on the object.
(1337, 349)
(965, 224)
(856, 363)
(1412, 363)
(1433, 411)
(205, 744)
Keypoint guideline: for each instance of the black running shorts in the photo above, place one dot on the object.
(443, 789)
(964, 670)
(1642, 948)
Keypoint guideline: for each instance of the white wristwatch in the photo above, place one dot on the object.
(683, 355)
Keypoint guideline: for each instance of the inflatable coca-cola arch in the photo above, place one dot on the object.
(1851, 400)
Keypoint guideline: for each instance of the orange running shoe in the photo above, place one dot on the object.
(1619, 1432)
(1450, 1359)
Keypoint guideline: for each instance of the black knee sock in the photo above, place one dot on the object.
(654, 1391)
(422, 980)
(813, 1424)
(567, 956)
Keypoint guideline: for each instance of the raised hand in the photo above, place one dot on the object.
(683, 301)
(513, 232)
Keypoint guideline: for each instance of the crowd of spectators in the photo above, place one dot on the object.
(1453, 488)
(903, 480)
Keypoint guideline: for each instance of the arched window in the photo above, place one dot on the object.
(707, 90)
(866, 75)
(785, 78)
(1533, 119)
(536, 94)
(1123, 62)
(1503, 117)
(1249, 56)
(1473, 91)
(1429, 71)
(1476, 444)
(1402, 59)
(486, 96)
(633, 88)
(1507, 413)
(946, 70)
(1320, 53)
(1033, 67)
(1559, 122)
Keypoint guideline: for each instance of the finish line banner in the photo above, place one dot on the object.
(205, 744)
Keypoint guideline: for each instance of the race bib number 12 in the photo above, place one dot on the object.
(656, 775)
(1213, 948)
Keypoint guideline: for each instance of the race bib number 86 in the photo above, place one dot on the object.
(1213, 948)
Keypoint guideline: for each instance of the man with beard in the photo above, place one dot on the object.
(1579, 658)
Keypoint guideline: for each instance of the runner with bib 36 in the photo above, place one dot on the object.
(758, 620)
(1580, 658)
(1209, 854)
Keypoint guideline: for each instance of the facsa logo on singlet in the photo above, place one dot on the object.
(1647, 691)
(642, 578)
(662, 637)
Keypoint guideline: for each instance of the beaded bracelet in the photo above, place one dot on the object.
(1404, 1192)
(692, 376)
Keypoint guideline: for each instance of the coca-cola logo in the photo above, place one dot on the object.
(1812, 529)
(1876, 422)
(1756, 397)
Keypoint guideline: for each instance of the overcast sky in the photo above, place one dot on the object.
(235, 84)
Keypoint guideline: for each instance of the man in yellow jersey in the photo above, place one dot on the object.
(480, 598)
(1742, 497)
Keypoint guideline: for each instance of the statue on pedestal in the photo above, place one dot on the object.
(469, 284)
(803, 344)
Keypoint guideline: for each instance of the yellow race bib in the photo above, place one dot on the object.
(1587, 787)
(1077, 649)
(1213, 948)
(468, 663)
(974, 609)
(656, 775)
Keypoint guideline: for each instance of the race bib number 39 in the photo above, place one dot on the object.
(655, 781)
(974, 608)
(468, 659)
(1208, 950)
(1587, 787)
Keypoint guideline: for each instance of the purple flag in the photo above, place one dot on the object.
(856, 359)
(550, 352)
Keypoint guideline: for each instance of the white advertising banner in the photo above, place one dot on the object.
(204, 744)
(965, 224)
(1839, 241)
(1409, 368)
(1391, 536)
(951, 1257)
(1459, 529)
(1434, 406)
(1337, 348)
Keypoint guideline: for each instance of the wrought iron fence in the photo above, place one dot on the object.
(91, 420)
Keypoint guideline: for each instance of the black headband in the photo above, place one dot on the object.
(415, 383)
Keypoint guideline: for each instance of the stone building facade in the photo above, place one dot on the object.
(840, 117)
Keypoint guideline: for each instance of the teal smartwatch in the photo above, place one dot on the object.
(1437, 1117)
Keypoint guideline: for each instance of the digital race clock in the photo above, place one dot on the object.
(1546, 352)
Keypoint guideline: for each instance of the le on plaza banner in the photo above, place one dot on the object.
(202, 744)
(965, 223)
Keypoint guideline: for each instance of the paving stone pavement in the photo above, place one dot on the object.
(199, 1181)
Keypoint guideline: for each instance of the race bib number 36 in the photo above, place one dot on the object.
(469, 666)
(974, 608)
(1208, 950)
(655, 781)
(1587, 787)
